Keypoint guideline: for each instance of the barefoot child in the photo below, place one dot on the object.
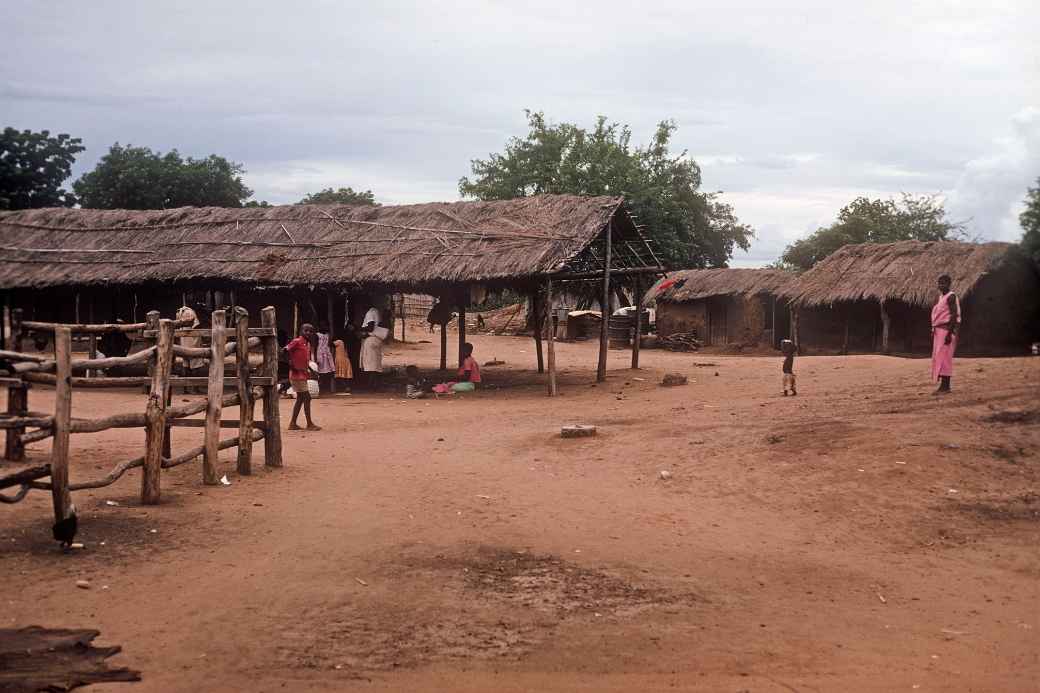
(299, 351)
(787, 349)
(469, 371)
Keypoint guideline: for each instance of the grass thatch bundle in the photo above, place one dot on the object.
(906, 271)
(690, 285)
(402, 246)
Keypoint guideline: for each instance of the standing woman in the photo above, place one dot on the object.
(372, 347)
(946, 321)
(326, 362)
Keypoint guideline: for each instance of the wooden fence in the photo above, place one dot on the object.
(161, 336)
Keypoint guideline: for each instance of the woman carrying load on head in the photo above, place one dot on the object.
(946, 322)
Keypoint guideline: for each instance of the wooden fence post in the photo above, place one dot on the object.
(601, 366)
(638, 290)
(62, 424)
(214, 393)
(245, 393)
(272, 415)
(551, 341)
(155, 414)
(17, 405)
(537, 309)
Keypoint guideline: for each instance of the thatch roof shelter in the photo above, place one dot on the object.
(690, 285)
(405, 247)
(864, 297)
(905, 271)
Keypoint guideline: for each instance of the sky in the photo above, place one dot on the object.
(791, 109)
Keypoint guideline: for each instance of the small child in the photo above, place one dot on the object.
(787, 349)
(469, 372)
(416, 387)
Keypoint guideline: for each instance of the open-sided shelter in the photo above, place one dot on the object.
(723, 306)
(73, 264)
(878, 297)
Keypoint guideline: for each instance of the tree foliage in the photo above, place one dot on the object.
(343, 196)
(863, 220)
(33, 166)
(690, 228)
(138, 178)
(1030, 220)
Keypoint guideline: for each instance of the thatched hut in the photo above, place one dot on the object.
(723, 306)
(102, 265)
(878, 297)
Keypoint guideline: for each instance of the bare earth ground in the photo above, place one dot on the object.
(862, 536)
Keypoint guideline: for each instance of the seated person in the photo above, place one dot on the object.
(469, 372)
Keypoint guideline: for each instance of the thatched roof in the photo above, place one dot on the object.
(404, 246)
(904, 271)
(691, 285)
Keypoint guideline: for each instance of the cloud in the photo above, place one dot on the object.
(991, 190)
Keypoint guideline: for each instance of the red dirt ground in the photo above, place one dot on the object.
(863, 536)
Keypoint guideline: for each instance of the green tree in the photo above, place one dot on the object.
(863, 220)
(343, 196)
(138, 178)
(33, 166)
(691, 228)
(1030, 220)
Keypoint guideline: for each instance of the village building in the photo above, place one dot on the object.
(878, 298)
(723, 306)
(312, 262)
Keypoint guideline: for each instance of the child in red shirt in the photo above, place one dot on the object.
(299, 351)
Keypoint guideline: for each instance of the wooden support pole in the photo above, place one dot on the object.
(537, 311)
(17, 329)
(444, 346)
(845, 339)
(638, 337)
(214, 393)
(151, 321)
(92, 338)
(155, 415)
(462, 329)
(601, 367)
(17, 405)
(551, 339)
(886, 324)
(245, 392)
(795, 335)
(272, 415)
(330, 312)
(62, 424)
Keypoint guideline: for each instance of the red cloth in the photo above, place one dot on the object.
(299, 351)
(470, 364)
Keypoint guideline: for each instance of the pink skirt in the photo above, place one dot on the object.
(942, 353)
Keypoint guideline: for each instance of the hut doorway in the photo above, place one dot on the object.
(718, 333)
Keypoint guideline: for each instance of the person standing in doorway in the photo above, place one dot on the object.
(326, 362)
(299, 351)
(946, 322)
(373, 335)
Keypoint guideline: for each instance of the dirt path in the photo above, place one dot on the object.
(862, 536)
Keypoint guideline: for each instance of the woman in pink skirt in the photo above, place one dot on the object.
(946, 320)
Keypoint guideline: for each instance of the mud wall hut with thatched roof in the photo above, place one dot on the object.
(102, 265)
(878, 297)
(723, 306)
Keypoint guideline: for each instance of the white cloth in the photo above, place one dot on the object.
(372, 354)
(372, 315)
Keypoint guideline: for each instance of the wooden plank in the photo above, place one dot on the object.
(272, 415)
(17, 405)
(551, 341)
(601, 366)
(215, 389)
(129, 381)
(11, 382)
(33, 325)
(203, 332)
(229, 381)
(155, 415)
(201, 423)
(245, 392)
(60, 496)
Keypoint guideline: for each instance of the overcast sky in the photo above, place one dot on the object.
(791, 111)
